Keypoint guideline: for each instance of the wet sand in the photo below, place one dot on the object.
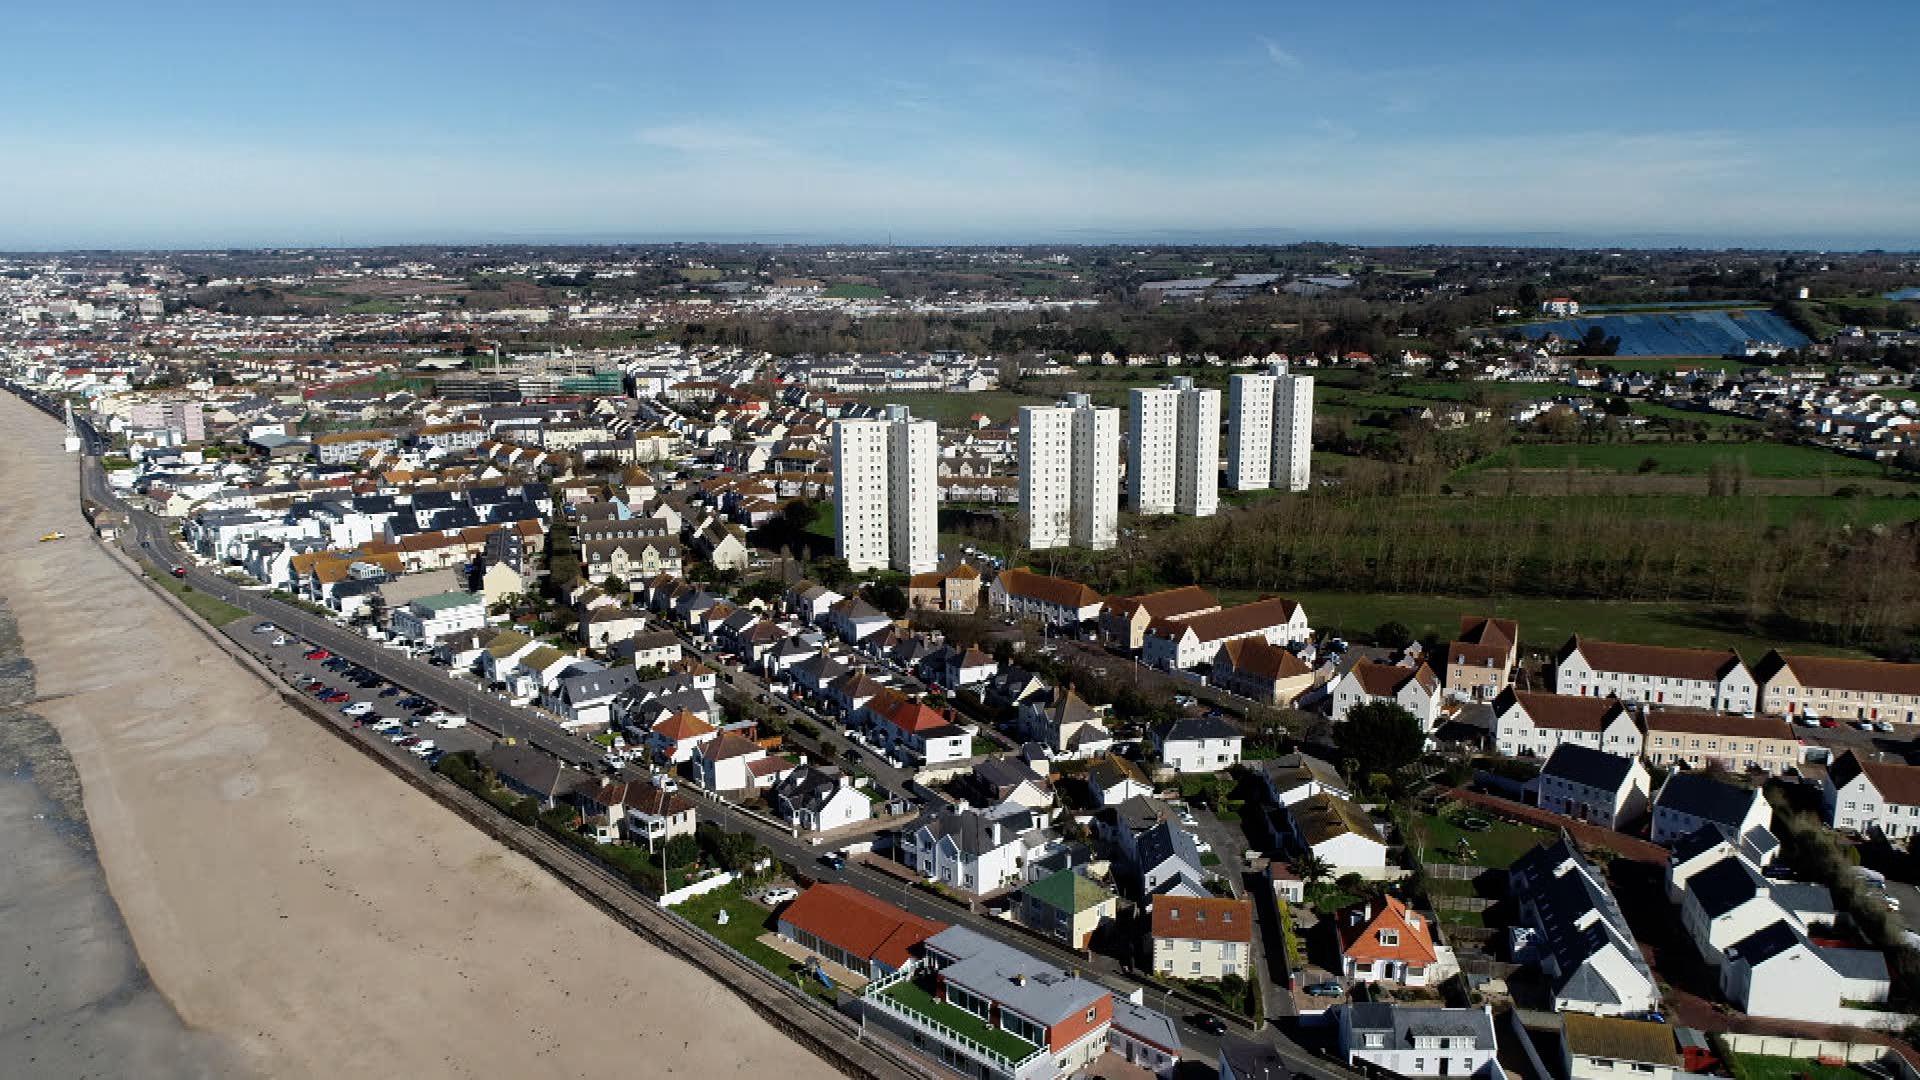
(304, 912)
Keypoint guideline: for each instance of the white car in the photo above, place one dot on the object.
(264, 628)
(777, 896)
(357, 708)
(282, 639)
(1892, 904)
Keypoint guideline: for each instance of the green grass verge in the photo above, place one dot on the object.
(212, 609)
(1764, 1067)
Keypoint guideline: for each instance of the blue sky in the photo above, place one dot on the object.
(211, 124)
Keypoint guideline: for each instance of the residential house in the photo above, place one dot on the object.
(1055, 601)
(1339, 832)
(816, 798)
(653, 649)
(1384, 940)
(533, 773)
(675, 738)
(1112, 780)
(1696, 738)
(1591, 785)
(1290, 778)
(1009, 780)
(735, 763)
(1609, 1047)
(584, 698)
(1873, 798)
(1480, 660)
(1067, 907)
(1413, 688)
(1568, 923)
(430, 618)
(859, 932)
(1066, 725)
(1779, 972)
(1013, 687)
(1825, 686)
(1531, 724)
(1689, 801)
(1254, 669)
(912, 731)
(1167, 859)
(1418, 1041)
(1202, 937)
(1656, 675)
(980, 851)
(1043, 1023)
(954, 591)
(1124, 621)
(1729, 900)
(1181, 644)
(602, 626)
(638, 810)
(1199, 744)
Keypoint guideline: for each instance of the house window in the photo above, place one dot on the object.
(1376, 1042)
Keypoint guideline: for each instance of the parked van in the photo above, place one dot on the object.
(447, 721)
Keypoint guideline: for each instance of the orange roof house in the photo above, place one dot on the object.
(1385, 941)
(859, 932)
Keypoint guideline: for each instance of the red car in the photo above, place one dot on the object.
(317, 654)
(1829, 722)
(178, 571)
(337, 697)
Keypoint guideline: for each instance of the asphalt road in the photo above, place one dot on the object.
(151, 540)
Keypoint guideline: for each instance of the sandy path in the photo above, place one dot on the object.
(290, 896)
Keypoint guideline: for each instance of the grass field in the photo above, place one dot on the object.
(953, 410)
(213, 609)
(746, 921)
(1762, 1067)
(850, 291)
(1544, 623)
(1499, 846)
(1689, 459)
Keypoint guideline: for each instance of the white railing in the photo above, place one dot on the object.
(875, 994)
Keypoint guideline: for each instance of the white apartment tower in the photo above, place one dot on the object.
(1173, 451)
(1070, 474)
(1270, 431)
(886, 491)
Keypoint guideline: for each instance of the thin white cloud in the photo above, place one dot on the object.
(696, 138)
(1279, 55)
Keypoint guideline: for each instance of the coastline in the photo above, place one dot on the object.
(282, 890)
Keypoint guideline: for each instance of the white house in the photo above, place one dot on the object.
(431, 618)
(1199, 744)
(1872, 796)
(1656, 675)
(1339, 832)
(1055, 601)
(1779, 972)
(1415, 689)
(1591, 785)
(819, 797)
(1689, 801)
(1419, 1041)
(980, 851)
(1530, 724)
(1182, 643)
(1569, 924)
(1608, 1047)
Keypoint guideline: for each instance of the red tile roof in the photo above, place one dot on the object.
(862, 925)
(1202, 918)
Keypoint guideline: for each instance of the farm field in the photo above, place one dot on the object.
(953, 410)
(1761, 459)
(1544, 623)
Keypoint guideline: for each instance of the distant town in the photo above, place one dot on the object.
(1029, 663)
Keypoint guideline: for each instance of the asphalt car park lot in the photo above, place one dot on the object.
(353, 692)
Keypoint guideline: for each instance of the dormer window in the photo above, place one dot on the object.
(1389, 937)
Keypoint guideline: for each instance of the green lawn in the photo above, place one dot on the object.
(214, 610)
(1686, 459)
(746, 921)
(849, 291)
(1006, 1043)
(1544, 623)
(1499, 847)
(955, 410)
(1763, 1067)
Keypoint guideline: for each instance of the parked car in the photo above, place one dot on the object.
(1325, 989)
(317, 653)
(447, 721)
(282, 639)
(264, 628)
(390, 691)
(1208, 1023)
(1828, 722)
(357, 708)
(178, 571)
(778, 895)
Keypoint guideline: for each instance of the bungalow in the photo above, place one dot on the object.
(1014, 687)
(1339, 832)
(1180, 644)
(1292, 777)
(533, 773)
(1591, 785)
(1055, 601)
(1531, 724)
(1202, 937)
(859, 932)
(1603, 1047)
(1413, 688)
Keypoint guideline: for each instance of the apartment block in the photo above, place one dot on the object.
(1270, 431)
(886, 491)
(1173, 450)
(1070, 474)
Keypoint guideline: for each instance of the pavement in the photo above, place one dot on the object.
(152, 541)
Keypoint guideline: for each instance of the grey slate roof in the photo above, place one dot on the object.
(1700, 795)
(1587, 767)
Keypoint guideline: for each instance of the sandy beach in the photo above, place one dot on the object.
(294, 903)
